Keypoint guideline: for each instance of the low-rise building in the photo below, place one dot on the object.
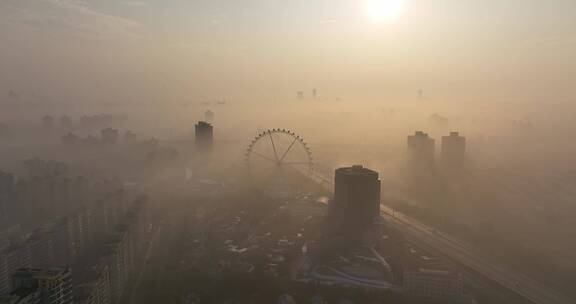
(431, 284)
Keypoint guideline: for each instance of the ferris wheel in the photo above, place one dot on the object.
(274, 154)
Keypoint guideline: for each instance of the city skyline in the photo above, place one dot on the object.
(287, 152)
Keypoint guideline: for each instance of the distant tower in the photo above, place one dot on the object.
(204, 136)
(453, 151)
(209, 116)
(314, 94)
(48, 122)
(356, 198)
(300, 95)
(420, 153)
(109, 136)
(420, 94)
(7, 183)
(65, 122)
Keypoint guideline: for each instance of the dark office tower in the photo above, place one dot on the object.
(209, 116)
(109, 136)
(48, 122)
(204, 136)
(420, 153)
(55, 284)
(357, 197)
(453, 151)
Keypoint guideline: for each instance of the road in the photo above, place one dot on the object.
(466, 255)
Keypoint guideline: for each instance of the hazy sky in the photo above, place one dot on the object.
(188, 49)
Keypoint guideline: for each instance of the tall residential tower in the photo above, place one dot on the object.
(204, 136)
(453, 152)
(420, 153)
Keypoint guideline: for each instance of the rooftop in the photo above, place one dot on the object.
(204, 124)
(356, 170)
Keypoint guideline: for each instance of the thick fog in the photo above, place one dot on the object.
(107, 94)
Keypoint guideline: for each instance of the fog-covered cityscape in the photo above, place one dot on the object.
(330, 152)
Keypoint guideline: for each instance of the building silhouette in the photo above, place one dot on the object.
(65, 122)
(7, 183)
(55, 285)
(352, 242)
(12, 258)
(356, 198)
(453, 152)
(130, 137)
(204, 136)
(420, 153)
(109, 136)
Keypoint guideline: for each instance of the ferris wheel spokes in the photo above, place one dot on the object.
(263, 156)
(288, 150)
(291, 155)
(273, 146)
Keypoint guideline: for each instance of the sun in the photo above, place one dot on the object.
(382, 10)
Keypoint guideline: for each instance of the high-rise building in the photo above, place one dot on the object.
(357, 197)
(23, 295)
(353, 231)
(5, 285)
(12, 258)
(453, 151)
(204, 136)
(41, 249)
(65, 122)
(96, 289)
(7, 183)
(55, 284)
(110, 136)
(420, 153)
(61, 241)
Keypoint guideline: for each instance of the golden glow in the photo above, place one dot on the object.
(382, 10)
